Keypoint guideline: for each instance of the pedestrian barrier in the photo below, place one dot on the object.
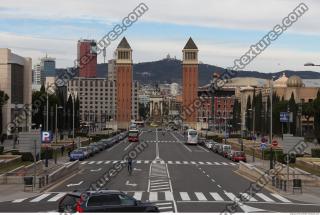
(28, 182)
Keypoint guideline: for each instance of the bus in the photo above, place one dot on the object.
(192, 137)
(133, 135)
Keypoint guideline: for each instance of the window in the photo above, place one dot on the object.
(126, 200)
(103, 200)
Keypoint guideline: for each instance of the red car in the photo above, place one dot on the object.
(238, 156)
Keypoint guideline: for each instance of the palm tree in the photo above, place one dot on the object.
(3, 100)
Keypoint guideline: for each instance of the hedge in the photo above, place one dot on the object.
(315, 153)
(281, 157)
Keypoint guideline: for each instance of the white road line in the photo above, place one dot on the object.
(18, 200)
(193, 162)
(99, 162)
(163, 203)
(57, 197)
(160, 185)
(137, 195)
(138, 161)
(185, 162)
(157, 180)
(248, 197)
(213, 180)
(107, 162)
(161, 189)
(169, 162)
(200, 196)
(264, 197)
(84, 162)
(39, 198)
(209, 163)
(224, 163)
(154, 161)
(216, 196)
(217, 163)
(219, 185)
(174, 136)
(162, 208)
(203, 172)
(233, 164)
(178, 162)
(115, 162)
(202, 148)
(146, 162)
(162, 162)
(231, 196)
(200, 162)
(184, 196)
(208, 175)
(168, 196)
(128, 146)
(91, 162)
(281, 198)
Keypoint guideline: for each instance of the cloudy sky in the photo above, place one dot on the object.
(222, 30)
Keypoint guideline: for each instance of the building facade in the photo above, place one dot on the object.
(87, 58)
(47, 68)
(16, 82)
(190, 82)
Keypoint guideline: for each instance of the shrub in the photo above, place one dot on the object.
(1, 150)
(26, 156)
(315, 153)
(43, 153)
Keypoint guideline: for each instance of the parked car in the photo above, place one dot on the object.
(107, 142)
(209, 144)
(201, 141)
(226, 149)
(90, 150)
(238, 156)
(217, 148)
(103, 201)
(77, 155)
(99, 146)
(94, 148)
(85, 151)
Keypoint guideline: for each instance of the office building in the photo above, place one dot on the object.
(47, 67)
(87, 58)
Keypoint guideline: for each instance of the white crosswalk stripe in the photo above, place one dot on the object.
(184, 196)
(264, 197)
(99, 162)
(107, 162)
(138, 161)
(57, 197)
(137, 195)
(153, 196)
(216, 196)
(200, 196)
(18, 200)
(216, 163)
(91, 162)
(248, 197)
(281, 198)
(39, 198)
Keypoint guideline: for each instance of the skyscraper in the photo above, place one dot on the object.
(36, 74)
(47, 67)
(190, 82)
(87, 58)
(124, 83)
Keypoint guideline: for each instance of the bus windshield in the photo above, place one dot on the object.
(133, 133)
(192, 133)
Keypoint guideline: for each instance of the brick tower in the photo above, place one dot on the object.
(124, 83)
(190, 83)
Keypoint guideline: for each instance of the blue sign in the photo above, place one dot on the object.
(284, 117)
(46, 137)
(263, 146)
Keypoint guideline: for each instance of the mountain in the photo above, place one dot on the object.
(170, 70)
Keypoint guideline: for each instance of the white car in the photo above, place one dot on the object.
(209, 144)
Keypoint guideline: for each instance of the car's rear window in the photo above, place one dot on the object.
(77, 152)
(239, 153)
(103, 200)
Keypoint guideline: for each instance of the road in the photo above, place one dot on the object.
(175, 176)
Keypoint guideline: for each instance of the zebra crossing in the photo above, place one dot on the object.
(168, 196)
(161, 141)
(158, 178)
(208, 163)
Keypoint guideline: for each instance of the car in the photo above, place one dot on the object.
(238, 156)
(106, 201)
(85, 151)
(209, 144)
(226, 149)
(94, 148)
(107, 142)
(217, 148)
(201, 141)
(230, 154)
(99, 146)
(77, 155)
(90, 149)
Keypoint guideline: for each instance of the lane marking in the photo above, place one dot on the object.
(99, 162)
(200, 162)
(168, 196)
(57, 197)
(184, 145)
(219, 185)
(184, 196)
(83, 162)
(193, 162)
(217, 163)
(224, 163)
(169, 162)
(39, 198)
(281, 198)
(209, 163)
(153, 196)
(216, 197)
(107, 162)
(137, 195)
(248, 197)
(18, 200)
(202, 148)
(264, 197)
(185, 162)
(200, 196)
(91, 162)
(128, 146)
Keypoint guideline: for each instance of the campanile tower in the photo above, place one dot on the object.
(190, 82)
(124, 83)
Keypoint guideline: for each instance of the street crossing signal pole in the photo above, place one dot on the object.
(270, 138)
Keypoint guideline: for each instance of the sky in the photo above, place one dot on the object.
(223, 30)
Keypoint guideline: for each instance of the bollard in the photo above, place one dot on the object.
(47, 179)
(281, 184)
(285, 186)
(273, 181)
(39, 182)
(277, 183)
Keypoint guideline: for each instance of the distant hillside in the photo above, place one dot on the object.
(170, 70)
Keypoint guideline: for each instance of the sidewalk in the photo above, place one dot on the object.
(309, 194)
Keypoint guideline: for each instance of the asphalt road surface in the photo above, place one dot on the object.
(175, 176)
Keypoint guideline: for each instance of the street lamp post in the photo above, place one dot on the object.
(270, 138)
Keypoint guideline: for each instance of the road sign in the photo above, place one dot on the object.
(274, 143)
(286, 117)
(29, 141)
(263, 146)
(264, 140)
(46, 137)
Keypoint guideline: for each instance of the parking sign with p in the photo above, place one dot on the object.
(46, 137)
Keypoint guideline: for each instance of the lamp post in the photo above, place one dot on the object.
(270, 138)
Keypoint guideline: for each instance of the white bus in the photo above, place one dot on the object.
(192, 136)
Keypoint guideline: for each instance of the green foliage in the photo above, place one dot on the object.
(1, 150)
(315, 153)
(26, 156)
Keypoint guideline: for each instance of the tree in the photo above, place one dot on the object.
(236, 119)
(3, 100)
(248, 118)
(308, 111)
(316, 119)
(293, 109)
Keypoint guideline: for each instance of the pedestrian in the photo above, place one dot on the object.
(62, 150)
(69, 152)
